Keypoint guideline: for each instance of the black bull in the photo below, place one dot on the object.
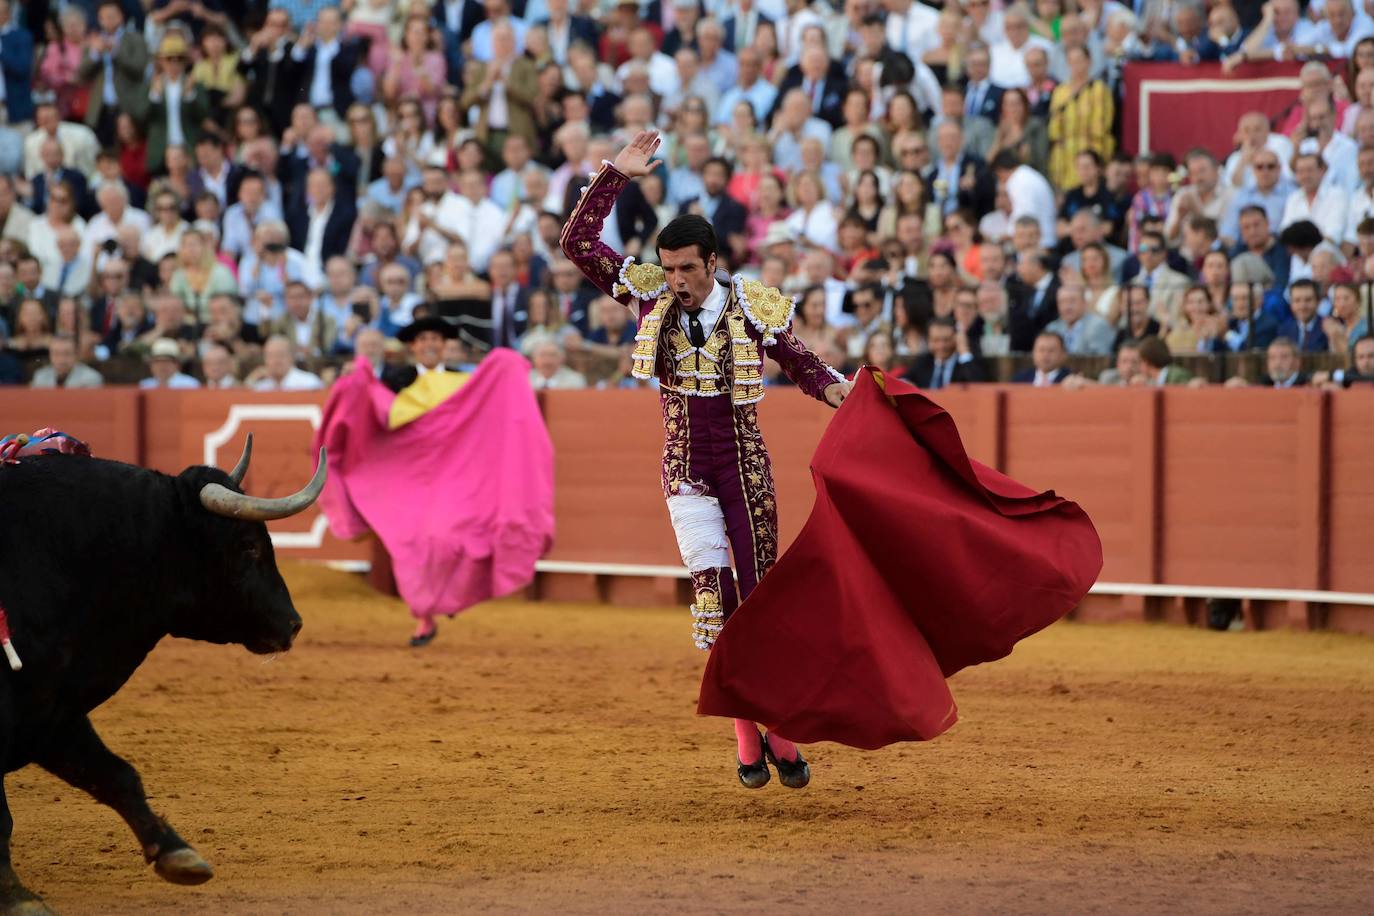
(98, 562)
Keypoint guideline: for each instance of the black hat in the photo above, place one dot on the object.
(420, 325)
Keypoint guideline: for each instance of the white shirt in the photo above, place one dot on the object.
(710, 311)
(818, 227)
(1327, 211)
(1009, 63)
(1341, 155)
(101, 228)
(790, 31)
(322, 83)
(1277, 144)
(175, 135)
(1031, 195)
(158, 242)
(1359, 209)
(314, 235)
(915, 32)
(663, 78)
(481, 226)
(296, 380)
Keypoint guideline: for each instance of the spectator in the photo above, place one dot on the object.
(1322, 205)
(199, 276)
(57, 72)
(1166, 285)
(321, 229)
(989, 330)
(1253, 137)
(16, 57)
(63, 369)
(112, 72)
(217, 367)
(70, 273)
(750, 86)
(1084, 332)
(1154, 200)
(1022, 132)
(1198, 327)
(73, 321)
(1283, 368)
(1204, 195)
(265, 271)
(1360, 369)
(225, 327)
(251, 209)
(164, 362)
(1248, 328)
(279, 371)
(115, 213)
(547, 370)
(1047, 358)
(1304, 330)
(395, 308)
(1128, 366)
(15, 218)
(174, 109)
(950, 358)
(813, 219)
(1036, 304)
(306, 324)
(1081, 112)
(1269, 191)
(504, 89)
(1028, 191)
(1157, 365)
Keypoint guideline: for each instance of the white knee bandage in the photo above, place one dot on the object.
(700, 528)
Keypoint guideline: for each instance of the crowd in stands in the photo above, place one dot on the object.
(231, 192)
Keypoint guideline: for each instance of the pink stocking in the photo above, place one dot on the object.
(781, 747)
(747, 740)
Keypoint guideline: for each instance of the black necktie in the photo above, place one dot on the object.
(694, 329)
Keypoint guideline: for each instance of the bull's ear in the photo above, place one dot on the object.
(236, 475)
(221, 500)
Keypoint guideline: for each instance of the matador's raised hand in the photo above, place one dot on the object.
(633, 160)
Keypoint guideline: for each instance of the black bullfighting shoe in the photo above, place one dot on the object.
(419, 640)
(794, 774)
(755, 775)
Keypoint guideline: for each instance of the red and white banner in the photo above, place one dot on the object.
(1170, 108)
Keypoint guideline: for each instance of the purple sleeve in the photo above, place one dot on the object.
(581, 238)
(806, 370)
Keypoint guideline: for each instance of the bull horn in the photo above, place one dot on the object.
(221, 500)
(236, 475)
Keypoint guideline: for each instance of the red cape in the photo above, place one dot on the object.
(916, 562)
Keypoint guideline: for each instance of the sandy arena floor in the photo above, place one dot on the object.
(546, 757)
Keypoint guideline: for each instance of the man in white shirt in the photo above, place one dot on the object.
(1030, 194)
(1337, 35)
(1315, 202)
(1252, 136)
(1337, 150)
(70, 275)
(212, 168)
(547, 371)
(78, 142)
(498, 13)
(479, 221)
(644, 51)
(279, 368)
(799, 18)
(1009, 55)
(164, 362)
(323, 34)
(115, 213)
(911, 27)
(1361, 206)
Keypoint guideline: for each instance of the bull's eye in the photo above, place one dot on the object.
(253, 552)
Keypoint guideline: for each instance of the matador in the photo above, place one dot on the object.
(703, 341)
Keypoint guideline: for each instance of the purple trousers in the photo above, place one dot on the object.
(714, 456)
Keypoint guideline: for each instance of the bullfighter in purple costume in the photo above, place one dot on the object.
(704, 342)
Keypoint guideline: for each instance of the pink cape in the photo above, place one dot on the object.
(462, 497)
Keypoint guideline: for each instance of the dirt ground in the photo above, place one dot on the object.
(547, 757)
